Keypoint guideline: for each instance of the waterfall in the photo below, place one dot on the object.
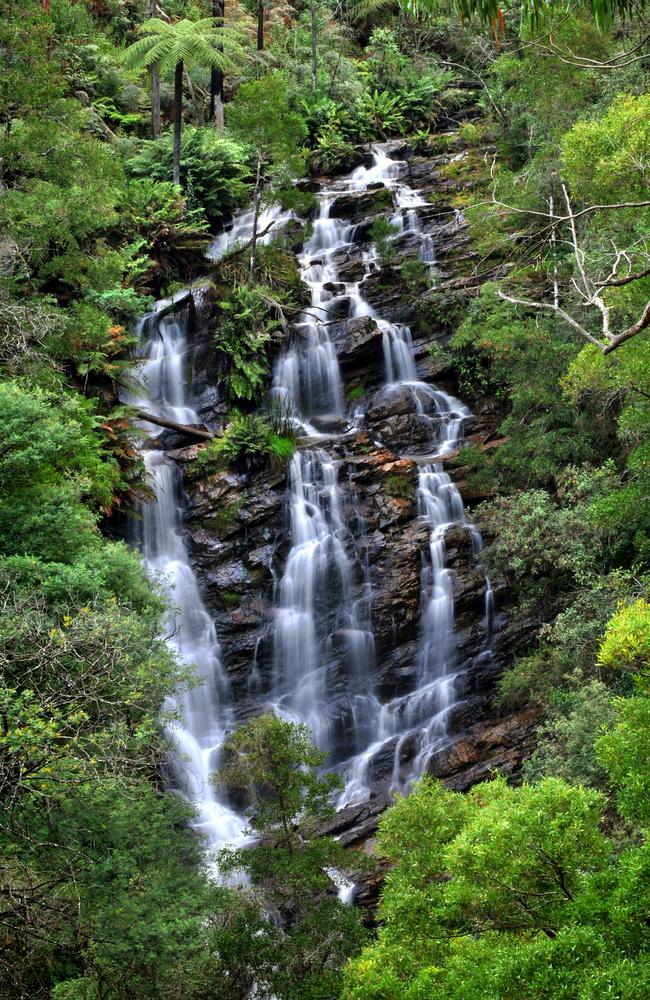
(323, 651)
(313, 598)
(317, 618)
(307, 379)
(202, 716)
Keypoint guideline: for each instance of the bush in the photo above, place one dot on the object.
(566, 743)
(214, 168)
(381, 233)
(249, 442)
(244, 331)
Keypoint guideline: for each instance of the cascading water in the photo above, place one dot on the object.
(202, 715)
(313, 597)
(317, 620)
(240, 232)
(307, 379)
(323, 644)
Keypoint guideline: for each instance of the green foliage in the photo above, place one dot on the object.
(381, 232)
(214, 169)
(400, 486)
(415, 274)
(249, 442)
(539, 545)
(525, 361)
(377, 114)
(622, 751)
(276, 766)
(605, 159)
(262, 109)
(499, 891)
(51, 475)
(157, 214)
(202, 42)
(594, 378)
(626, 645)
(550, 677)
(244, 333)
(566, 742)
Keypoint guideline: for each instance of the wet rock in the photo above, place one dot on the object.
(355, 205)
(356, 340)
(485, 750)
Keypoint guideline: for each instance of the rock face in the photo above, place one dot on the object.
(236, 521)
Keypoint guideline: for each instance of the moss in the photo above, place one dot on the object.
(229, 598)
(399, 486)
(381, 200)
(224, 518)
(355, 392)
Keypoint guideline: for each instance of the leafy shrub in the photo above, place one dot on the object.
(248, 442)
(539, 548)
(566, 743)
(377, 115)
(214, 168)
(381, 233)
(626, 644)
(400, 486)
(244, 331)
(172, 229)
(415, 274)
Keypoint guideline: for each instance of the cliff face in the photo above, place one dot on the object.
(237, 526)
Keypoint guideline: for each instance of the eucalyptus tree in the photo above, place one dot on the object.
(172, 47)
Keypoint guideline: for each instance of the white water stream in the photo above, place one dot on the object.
(313, 597)
(201, 716)
(323, 649)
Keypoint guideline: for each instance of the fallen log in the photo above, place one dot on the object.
(172, 425)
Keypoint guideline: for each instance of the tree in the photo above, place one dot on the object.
(623, 750)
(275, 765)
(260, 25)
(216, 74)
(493, 13)
(262, 113)
(592, 291)
(168, 47)
(155, 87)
(604, 169)
(504, 892)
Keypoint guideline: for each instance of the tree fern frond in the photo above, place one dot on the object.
(196, 43)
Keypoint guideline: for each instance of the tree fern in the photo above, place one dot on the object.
(169, 47)
(194, 43)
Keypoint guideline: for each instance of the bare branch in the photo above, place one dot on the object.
(619, 282)
(619, 61)
(612, 340)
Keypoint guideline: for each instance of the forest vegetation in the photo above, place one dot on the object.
(116, 171)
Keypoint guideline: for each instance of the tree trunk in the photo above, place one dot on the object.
(178, 120)
(155, 88)
(256, 213)
(172, 425)
(314, 45)
(260, 25)
(155, 104)
(216, 75)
